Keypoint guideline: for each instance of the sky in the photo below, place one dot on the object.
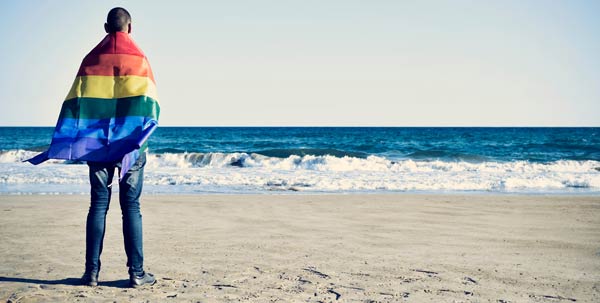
(322, 62)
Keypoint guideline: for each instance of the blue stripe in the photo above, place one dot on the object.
(110, 130)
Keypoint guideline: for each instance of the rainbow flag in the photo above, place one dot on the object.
(111, 109)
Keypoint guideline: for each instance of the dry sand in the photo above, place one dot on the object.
(307, 248)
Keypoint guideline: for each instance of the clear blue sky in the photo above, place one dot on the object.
(334, 62)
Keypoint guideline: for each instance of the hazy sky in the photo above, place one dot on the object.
(322, 62)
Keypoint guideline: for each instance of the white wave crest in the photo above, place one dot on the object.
(243, 172)
(371, 163)
(15, 155)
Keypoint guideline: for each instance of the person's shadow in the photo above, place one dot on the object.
(66, 281)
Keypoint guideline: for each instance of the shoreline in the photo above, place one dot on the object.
(316, 193)
(310, 248)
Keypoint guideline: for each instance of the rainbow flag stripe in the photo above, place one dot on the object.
(111, 109)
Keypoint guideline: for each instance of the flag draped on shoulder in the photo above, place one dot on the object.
(111, 109)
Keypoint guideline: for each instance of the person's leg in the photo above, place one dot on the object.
(101, 176)
(130, 189)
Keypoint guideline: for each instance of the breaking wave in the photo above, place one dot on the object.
(176, 172)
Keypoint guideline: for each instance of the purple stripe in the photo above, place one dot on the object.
(90, 149)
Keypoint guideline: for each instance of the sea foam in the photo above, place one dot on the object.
(251, 172)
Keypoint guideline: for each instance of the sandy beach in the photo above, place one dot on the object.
(313, 248)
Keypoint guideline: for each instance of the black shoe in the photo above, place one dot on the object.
(145, 278)
(90, 278)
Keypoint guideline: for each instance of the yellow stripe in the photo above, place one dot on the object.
(112, 87)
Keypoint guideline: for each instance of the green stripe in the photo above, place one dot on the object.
(144, 146)
(95, 108)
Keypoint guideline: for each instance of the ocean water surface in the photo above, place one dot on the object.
(331, 160)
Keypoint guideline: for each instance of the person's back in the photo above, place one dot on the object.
(118, 51)
(106, 119)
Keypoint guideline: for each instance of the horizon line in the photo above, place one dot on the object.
(354, 126)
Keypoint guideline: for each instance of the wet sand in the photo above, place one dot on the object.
(309, 248)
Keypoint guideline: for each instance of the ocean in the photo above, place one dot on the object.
(187, 160)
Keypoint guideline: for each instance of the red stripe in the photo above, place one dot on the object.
(117, 43)
(116, 55)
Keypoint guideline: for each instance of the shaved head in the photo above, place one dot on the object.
(118, 20)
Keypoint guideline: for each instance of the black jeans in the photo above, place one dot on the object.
(130, 189)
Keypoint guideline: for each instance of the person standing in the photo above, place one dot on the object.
(106, 119)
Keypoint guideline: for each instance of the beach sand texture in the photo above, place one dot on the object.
(313, 248)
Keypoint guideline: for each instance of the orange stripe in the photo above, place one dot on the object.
(115, 65)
